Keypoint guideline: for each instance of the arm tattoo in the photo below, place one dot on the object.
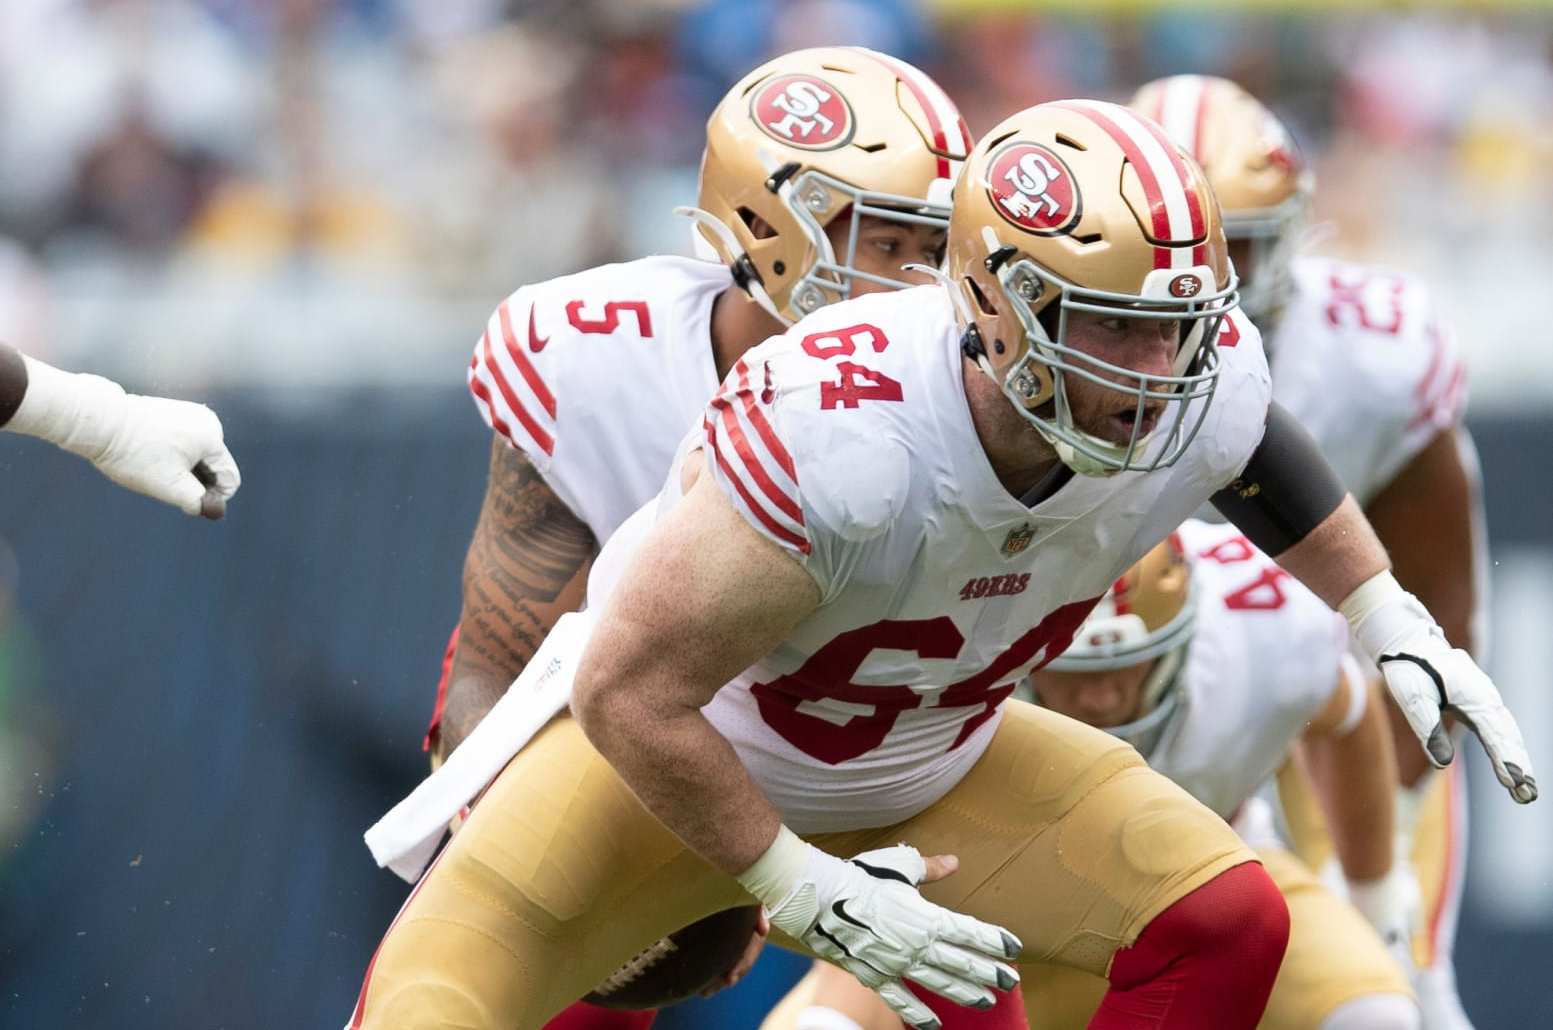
(526, 567)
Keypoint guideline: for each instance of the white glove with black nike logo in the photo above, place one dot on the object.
(867, 916)
(1427, 677)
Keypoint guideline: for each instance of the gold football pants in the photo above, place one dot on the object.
(559, 875)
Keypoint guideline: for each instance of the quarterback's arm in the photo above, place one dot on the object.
(1289, 502)
(704, 598)
(169, 450)
(527, 565)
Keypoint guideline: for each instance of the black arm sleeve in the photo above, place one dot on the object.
(1286, 490)
(13, 381)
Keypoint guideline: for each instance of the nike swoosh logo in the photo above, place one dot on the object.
(535, 344)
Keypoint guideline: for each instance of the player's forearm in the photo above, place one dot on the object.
(13, 382)
(1338, 556)
(1355, 775)
(684, 771)
(527, 566)
(499, 632)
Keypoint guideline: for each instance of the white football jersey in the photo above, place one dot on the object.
(1364, 362)
(848, 441)
(596, 376)
(1263, 661)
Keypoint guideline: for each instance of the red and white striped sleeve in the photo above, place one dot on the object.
(1440, 397)
(508, 378)
(749, 458)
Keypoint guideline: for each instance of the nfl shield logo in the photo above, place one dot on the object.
(1018, 539)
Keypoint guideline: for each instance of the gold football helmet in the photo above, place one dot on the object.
(1079, 205)
(1147, 615)
(1263, 184)
(810, 137)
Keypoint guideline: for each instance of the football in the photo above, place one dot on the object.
(680, 965)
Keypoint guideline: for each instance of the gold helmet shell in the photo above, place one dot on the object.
(1263, 183)
(1079, 205)
(1147, 616)
(813, 136)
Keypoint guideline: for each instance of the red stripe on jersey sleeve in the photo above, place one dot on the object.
(762, 426)
(526, 367)
(535, 431)
(775, 528)
(741, 445)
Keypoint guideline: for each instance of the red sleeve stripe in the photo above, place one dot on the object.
(487, 410)
(504, 400)
(1168, 188)
(943, 117)
(762, 426)
(751, 506)
(524, 366)
(1444, 408)
(752, 464)
(1439, 347)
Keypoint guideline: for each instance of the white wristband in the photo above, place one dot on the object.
(1381, 613)
(1374, 592)
(778, 870)
(80, 413)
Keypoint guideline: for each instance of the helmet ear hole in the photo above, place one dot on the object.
(983, 302)
(758, 226)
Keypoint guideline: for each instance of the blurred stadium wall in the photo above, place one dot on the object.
(302, 211)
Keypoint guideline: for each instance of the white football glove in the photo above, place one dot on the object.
(169, 450)
(867, 917)
(1427, 677)
(172, 451)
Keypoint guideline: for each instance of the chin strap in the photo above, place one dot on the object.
(743, 269)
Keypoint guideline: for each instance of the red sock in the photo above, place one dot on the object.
(583, 1016)
(1208, 960)
(1007, 1014)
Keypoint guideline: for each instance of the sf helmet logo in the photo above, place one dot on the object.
(803, 111)
(1031, 187)
(1185, 286)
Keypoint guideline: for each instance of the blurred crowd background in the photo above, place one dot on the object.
(303, 210)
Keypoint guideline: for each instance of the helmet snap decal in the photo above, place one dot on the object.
(1032, 188)
(803, 111)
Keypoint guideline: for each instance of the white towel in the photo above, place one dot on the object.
(406, 838)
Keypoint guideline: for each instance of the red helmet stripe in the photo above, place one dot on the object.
(1173, 206)
(1193, 203)
(942, 114)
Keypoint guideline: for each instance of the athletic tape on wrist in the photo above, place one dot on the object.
(778, 870)
(1380, 589)
(80, 413)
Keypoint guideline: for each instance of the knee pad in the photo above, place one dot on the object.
(1375, 1012)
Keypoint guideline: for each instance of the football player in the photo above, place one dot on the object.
(805, 647)
(1212, 662)
(826, 171)
(1362, 358)
(169, 450)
